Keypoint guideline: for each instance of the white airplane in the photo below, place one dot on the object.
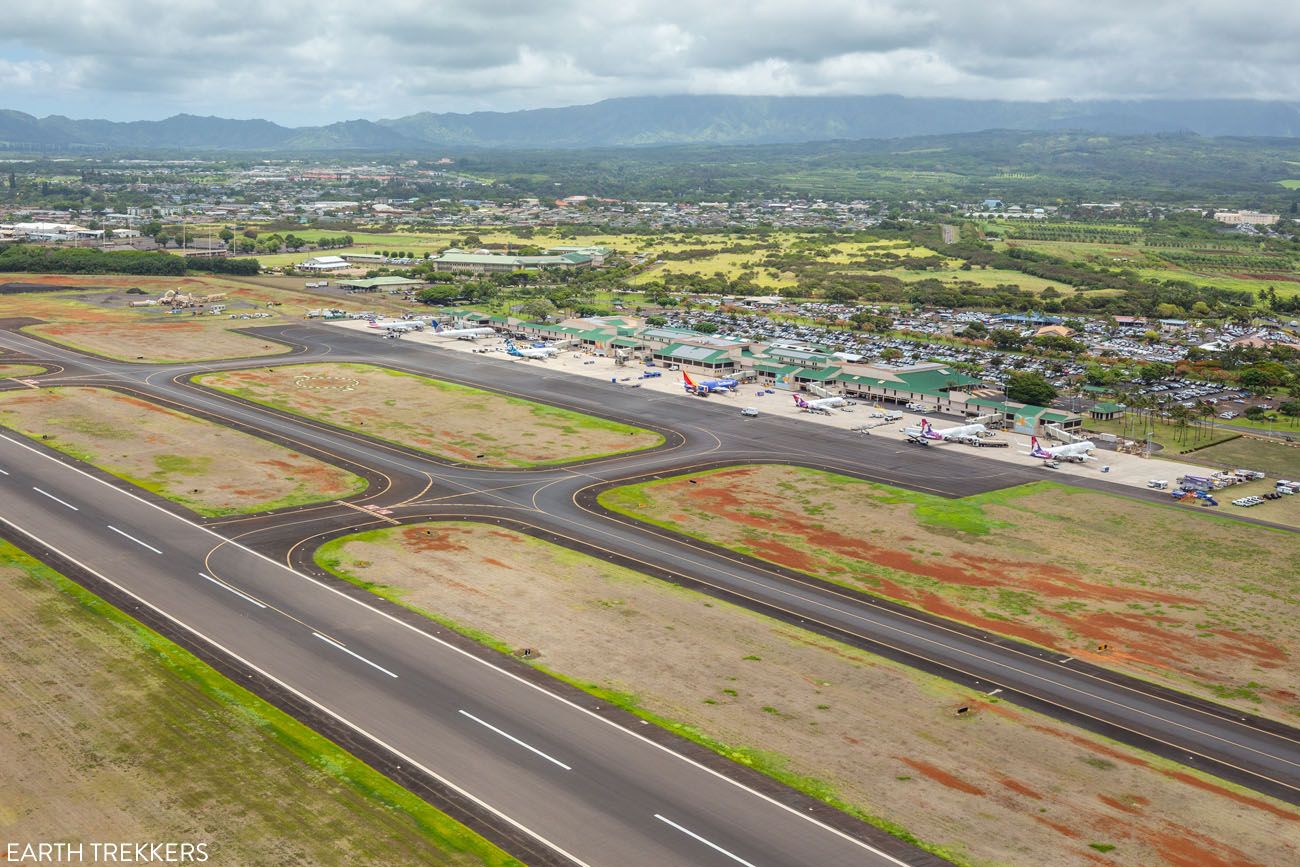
(395, 325)
(541, 352)
(1076, 452)
(825, 404)
(464, 333)
(948, 434)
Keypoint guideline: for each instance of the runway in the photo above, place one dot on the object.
(526, 755)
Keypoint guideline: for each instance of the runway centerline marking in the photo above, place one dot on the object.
(354, 654)
(54, 498)
(134, 539)
(224, 586)
(714, 846)
(510, 737)
(4, 472)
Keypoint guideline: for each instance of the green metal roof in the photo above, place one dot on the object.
(864, 380)
(695, 354)
(777, 370)
(1107, 408)
(817, 375)
(625, 341)
(933, 382)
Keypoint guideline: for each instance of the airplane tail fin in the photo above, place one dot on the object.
(687, 381)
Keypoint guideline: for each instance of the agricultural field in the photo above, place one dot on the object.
(1236, 266)
(987, 277)
(114, 733)
(1060, 567)
(999, 785)
(733, 265)
(446, 420)
(204, 466)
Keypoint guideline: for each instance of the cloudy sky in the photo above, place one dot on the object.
(321, 61)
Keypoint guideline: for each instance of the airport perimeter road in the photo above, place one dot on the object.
(588, 788)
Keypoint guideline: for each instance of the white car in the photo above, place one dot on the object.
(749, 412)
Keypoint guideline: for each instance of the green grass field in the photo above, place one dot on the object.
(1279, 460)
(1175, 438)
(113, 732)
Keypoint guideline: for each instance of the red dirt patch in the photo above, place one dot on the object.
(1020, 788)
(939, 775)
(1063, 830)
(434, 539)
(1182, 847)
(1147, 639)
(1116, 804)
(1180, 776)
(1044, 579)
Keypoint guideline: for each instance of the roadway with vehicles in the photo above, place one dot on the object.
(492, 733)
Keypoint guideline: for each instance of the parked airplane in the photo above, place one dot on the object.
(395, 325)
(464, 333)
(960, 433)
(540, 352)
(823, 404)
(708, 385)
(1076, 452)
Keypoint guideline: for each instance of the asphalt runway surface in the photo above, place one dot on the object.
(530, 760)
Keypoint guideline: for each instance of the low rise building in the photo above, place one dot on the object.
(324, 264)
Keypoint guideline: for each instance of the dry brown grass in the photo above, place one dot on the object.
(202, 465)
(1205, 605)
(441, 418)
(997, 786)
(101, 321)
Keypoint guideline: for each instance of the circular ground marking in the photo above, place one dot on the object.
(326, 383)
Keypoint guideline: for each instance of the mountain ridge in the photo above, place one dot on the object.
(667, 120)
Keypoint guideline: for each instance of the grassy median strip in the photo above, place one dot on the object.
(877, 739)
(110, 731)
(444, 419)
(206, 467)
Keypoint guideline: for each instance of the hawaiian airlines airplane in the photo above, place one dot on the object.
(960, 432)
(824, 404)
(1077, 452)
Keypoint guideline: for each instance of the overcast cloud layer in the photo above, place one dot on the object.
(315, 62)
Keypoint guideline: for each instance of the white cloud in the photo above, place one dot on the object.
(304, 62)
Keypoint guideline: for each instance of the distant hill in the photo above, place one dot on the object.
(669, 120)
